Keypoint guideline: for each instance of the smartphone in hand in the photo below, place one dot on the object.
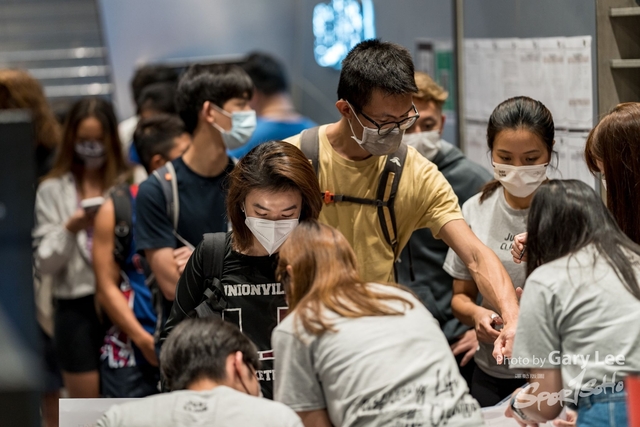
(91, 205)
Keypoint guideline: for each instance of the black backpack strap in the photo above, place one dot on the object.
(214, 248)
(123, 235)
(310, 146)
(387, 190)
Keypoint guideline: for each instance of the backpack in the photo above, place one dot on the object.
(385, 194)
(123, 239)
(214, 247)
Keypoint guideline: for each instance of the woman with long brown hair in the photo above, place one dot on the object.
(613, 150)
(88, 164)
(18, 90)
(271, 190)
(520, 137)
(352, 353)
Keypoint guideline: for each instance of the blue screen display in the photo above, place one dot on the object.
(338, 26)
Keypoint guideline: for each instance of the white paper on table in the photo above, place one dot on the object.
(553, 66)
(85, 412)
(579, 108)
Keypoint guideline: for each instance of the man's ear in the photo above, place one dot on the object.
(156, 162)
(344, 109)
(207, 112)
(444, 120)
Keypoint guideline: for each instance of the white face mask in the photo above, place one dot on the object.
(427, 143)
(378, 145)
(520, 181)
(271, 234)
(243, 123)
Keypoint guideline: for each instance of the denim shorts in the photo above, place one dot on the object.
(603, 410)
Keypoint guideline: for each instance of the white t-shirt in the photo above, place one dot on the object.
(220, 407)
(495, 223)
(574, 313)
(374, 371)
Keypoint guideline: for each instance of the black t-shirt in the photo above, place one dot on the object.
(255, 301)
(202, 208)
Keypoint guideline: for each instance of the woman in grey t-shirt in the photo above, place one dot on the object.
(579, 319)
(352, 353)
(520, 137)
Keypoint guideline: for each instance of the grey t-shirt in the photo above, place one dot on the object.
(374, 371)
(220, 407)
(575, 312)
(495, 223)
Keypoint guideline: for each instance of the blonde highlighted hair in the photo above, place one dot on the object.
(325, 277)
(429, 90)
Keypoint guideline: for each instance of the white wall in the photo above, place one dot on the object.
(142, 31)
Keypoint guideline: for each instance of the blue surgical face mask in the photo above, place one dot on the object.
(243, 123)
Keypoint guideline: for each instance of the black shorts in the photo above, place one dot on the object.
(78, 335)
(135, 381)
(52, 377)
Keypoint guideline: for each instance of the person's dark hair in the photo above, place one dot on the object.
(267, 73)
(374, 64)
(198, 349)
(520, 112)
(274, 166)
(156, 135)
(149, 74)
(214, 83)
(115, 166)
(159, 97)
(567, 215)
(615, 142)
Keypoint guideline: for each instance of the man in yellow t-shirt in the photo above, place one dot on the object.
(375, 103)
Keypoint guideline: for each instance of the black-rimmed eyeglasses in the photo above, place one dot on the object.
(386, 128)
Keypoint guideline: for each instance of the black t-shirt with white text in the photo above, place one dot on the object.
(255, 301)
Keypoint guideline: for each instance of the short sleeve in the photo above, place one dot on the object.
(296, 383)
(153, 227)
(439, 202)
(537, 334)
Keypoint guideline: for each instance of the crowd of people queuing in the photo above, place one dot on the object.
(358, 273)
